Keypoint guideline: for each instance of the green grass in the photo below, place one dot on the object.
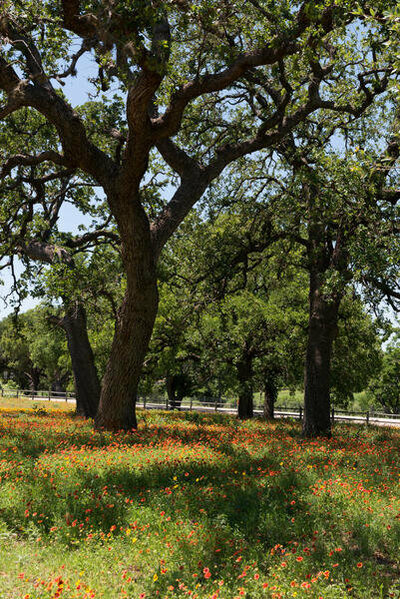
(195, 506)
(289, 399)
(25, 403)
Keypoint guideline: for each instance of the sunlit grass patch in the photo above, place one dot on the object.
(25, 404)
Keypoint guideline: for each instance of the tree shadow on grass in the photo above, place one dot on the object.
(227, 488)
(239, 500)
(25, 434)
(248, 513)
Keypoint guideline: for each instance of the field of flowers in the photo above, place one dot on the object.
(195, 506)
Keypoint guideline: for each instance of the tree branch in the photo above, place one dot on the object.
(168, 124)
(28, 160)
(82, 25)
(177, 158)
(45, 252)
(92, 236)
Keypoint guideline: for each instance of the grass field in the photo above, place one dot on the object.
(22, 404)
(195, 506)
(361, 402)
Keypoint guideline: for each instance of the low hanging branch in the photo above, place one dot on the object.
(45, 252)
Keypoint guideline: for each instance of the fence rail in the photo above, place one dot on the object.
(213, 405)
(40, 394)
(230, 407)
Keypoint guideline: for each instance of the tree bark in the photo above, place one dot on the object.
(172, 388)
(321, 334)
(175, 384)
(270, 395)
(132, 335)
(244, 374)
(86, 379)
(134, 323)
(58, 383)
(179, 399)
(169, 385)
(34, 379)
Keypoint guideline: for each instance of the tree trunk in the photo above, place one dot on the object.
(321, 334)
(132, 335)
(170, 385)
(86, 379)
(244, 374)
(179, 399)
(135, 320)
(58, 384)
(175, 384)
(270, 395)
(34, 379)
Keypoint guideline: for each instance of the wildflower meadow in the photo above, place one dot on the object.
(195, 506)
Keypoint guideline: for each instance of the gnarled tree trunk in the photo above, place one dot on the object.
(59, 382)
(321, 334)
(132, 335)
(169, 385)
(134, 323)
(324, 258)
(86, 379)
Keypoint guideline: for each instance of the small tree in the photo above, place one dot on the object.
(226, 323)
(15, 356)
(35, 351)
(385, 389)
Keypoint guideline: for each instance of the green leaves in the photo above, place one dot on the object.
(34, 350)
(385, 388)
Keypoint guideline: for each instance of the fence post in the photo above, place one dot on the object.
(17, 393)
(301, 413)
(66, 396)
(216, 404)
(333, 415)
(49, 394)
(367, 417)
(144, 402)
(191, 404)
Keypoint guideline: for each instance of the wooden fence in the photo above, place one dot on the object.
(220, 405)
(40, 395)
